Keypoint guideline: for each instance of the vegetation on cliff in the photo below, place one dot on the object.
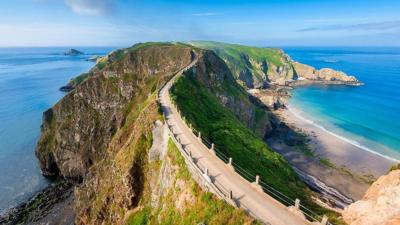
(253, 67)
(99, 136)
(77, 131)
(257, 67)
(202, 97)
(182, 201)
(100, 133)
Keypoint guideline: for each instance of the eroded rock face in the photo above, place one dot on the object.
(78, 129)
(216, 76)
(258, 68)
(160, 141)
(325, 74)
(380, 204)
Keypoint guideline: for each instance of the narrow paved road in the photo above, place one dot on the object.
(245, 194)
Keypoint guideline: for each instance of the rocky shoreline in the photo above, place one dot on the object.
(40, 206)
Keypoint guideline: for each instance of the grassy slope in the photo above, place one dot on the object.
(117, 55)
(203, 206)
(220, 126)
(244, 61)
(235, 51)
(117, 189)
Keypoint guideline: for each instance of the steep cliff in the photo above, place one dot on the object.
(309, 74)
(78, 129)
(107, 136)
(255, 67)
(219, 108)
(212, 72)
(380, 204)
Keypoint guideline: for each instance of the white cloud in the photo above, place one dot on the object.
(91, 7)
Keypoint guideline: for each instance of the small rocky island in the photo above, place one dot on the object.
(73, 52)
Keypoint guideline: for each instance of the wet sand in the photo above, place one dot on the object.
(352, 168)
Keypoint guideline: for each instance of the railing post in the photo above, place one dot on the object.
(297, 204)
(212, 148)
(207, 176)
(199, 136)
(230, 161)
(324, 220)
(230, 194)
(256, 183)
(190, 154)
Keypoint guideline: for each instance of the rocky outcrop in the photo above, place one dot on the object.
(325, 75)
(274, 97)
(73, 52)
(380, 204)
(95, 59)
(259, 68)
(216, 76)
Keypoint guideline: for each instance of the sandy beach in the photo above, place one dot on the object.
(349, 167)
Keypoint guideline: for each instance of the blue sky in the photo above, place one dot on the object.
(262, 23)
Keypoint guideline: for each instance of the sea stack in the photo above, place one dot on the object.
(73, 52)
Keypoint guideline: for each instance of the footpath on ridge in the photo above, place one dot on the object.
(221, 178)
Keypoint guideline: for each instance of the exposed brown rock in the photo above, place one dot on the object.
(380, 204)
(325, 74)
(78, 129)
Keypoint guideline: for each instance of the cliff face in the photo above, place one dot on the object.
(255, 67)
(78, 129)
(216, 76)
(107, 135)
(380, 204)
(305, 72)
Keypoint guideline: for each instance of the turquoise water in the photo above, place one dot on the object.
(367, 115)
(29, 82)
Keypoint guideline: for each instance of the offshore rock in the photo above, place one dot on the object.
(308, 74)
(73, 52)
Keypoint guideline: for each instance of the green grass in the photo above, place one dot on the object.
(203, 207)
(234, 51)
(177, 159)
(139, 218)
(250, 65)
(202, 109)
(232, 137)
(327, 162)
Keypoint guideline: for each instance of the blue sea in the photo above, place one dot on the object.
(367, 116)
(29, 83)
